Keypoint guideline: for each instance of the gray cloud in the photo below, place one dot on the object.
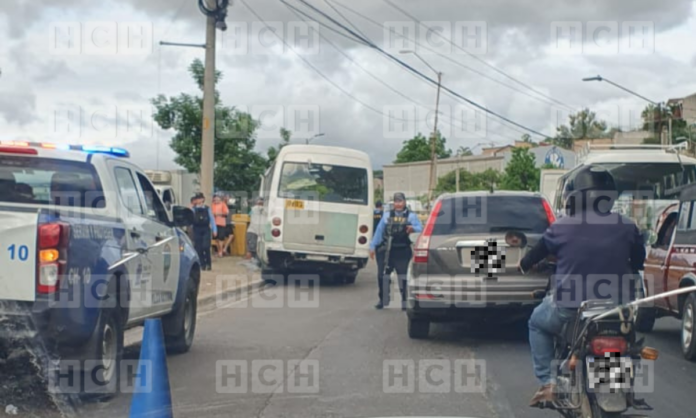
(18, 107)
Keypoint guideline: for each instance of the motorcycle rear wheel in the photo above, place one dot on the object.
(590, 409)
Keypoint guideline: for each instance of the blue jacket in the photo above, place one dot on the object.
(379, 232)
(596, 256)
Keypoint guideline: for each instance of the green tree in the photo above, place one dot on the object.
(464, 152)
(237, 165)
(521, 172)
(418, 149)
(581, 125)
(273, 152)
(656, 118)
(468, 181)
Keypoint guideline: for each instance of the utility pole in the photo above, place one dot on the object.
(208, 140)
(215, 12)
(433, 143)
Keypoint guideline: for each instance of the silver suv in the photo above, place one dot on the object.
(465, 262)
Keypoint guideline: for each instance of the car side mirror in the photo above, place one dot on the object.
(183, 216)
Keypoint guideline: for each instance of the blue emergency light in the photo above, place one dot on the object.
(119, 152)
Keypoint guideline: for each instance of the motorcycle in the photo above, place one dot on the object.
(599, 358)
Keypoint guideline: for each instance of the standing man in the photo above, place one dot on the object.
(203, 225)
(398, 223)
(377, 215)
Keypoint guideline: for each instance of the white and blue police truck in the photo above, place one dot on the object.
(87, 250)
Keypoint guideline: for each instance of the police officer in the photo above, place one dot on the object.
(398, 223)
(597, 253)
(377, 215)
(203, 225)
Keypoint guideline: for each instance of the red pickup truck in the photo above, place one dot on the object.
(671, 264)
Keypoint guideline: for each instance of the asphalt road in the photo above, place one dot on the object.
(329, 361)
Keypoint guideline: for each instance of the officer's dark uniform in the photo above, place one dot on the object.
(395, 224)
(377, 215)
(202, 234)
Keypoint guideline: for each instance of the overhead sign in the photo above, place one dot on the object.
(555, 158)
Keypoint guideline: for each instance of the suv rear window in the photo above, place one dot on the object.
(483, 214)
(44, 181)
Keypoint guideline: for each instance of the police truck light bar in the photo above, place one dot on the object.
(22, 147)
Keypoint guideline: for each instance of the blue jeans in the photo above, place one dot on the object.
(546, 322)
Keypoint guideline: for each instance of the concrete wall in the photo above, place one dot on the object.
(413, 178)
(689, 109)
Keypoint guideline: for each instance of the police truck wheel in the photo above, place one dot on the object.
(689, 328)
(180, 326)
(645, 319)
(102, 363)
(270, 276)
(418, 328)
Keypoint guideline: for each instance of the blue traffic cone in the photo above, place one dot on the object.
(152, 397)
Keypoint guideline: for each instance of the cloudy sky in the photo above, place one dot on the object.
(63, 61)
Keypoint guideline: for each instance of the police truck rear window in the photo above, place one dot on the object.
(486, 214)
(49, 182)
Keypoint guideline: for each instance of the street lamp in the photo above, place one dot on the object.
(433, 139)
(308, 140)
(600, 78)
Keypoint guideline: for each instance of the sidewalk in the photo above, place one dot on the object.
(228, 278)
(229, 275)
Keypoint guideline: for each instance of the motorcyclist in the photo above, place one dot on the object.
(596, 252)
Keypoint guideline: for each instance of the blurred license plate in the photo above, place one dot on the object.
(294, 204)
(612, 370)
(486, 260)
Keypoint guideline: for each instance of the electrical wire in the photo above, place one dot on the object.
(373, 109)
(458, 63)
(429, 79)
(484, 62)
(392, 89)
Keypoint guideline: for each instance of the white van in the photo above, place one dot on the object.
(318, 204)
(647, 176)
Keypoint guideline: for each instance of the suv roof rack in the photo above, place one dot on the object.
(588, 148)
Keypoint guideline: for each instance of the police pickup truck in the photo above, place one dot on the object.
(87, 250)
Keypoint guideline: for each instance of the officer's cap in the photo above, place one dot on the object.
(399, 197)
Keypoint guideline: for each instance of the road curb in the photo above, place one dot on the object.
(206, 301)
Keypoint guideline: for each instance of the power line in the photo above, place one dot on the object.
(328, 3)
(410, 68)
(318, 71)
(484, 62)
(346, 56)
(458, 63)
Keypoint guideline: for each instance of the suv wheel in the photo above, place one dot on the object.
(645, 319)
(418, 328)
(689, 328)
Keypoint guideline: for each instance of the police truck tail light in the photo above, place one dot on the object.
(363, 229)
(276, 222)
(422, 247)
(52, 255)
(362, 240)
(275, 232)
(549, 212)
(601, 345)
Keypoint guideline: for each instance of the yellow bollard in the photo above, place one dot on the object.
(241, 222)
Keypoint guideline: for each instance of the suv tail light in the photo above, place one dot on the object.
(549, 211)
(52, 257)
(601, 345)
(277, 221)
(422, 247)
